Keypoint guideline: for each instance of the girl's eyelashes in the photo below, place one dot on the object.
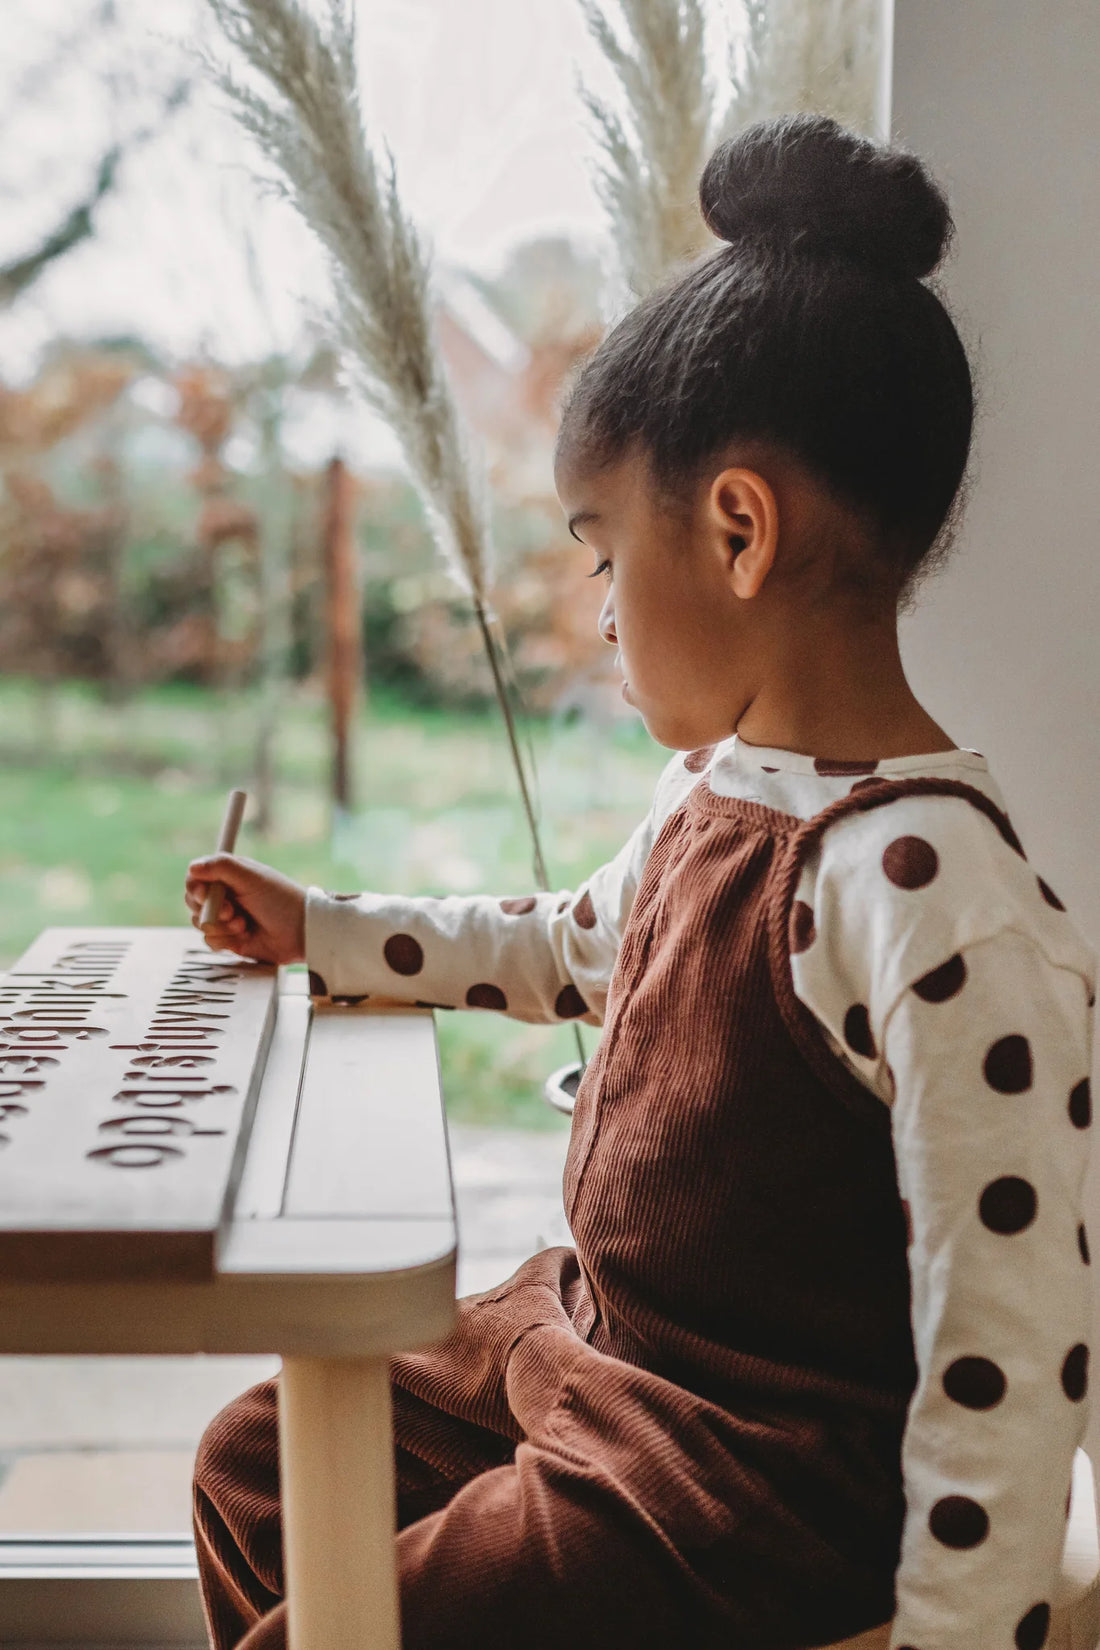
(604, 567)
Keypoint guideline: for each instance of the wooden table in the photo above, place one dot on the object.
(305, 1211)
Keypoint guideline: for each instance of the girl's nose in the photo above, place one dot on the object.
(606, 622)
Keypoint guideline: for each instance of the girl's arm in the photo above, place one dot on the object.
(538, 957)
(962, 999)
(990, 1124)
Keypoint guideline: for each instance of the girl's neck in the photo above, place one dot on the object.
(843, 695)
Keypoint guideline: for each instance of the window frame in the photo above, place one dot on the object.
(100, 1590)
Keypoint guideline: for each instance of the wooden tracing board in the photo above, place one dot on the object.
(130, 1061)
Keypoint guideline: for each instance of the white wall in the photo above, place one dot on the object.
(1002, 98)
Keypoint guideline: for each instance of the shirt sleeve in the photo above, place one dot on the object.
(542, 957)
(988, 1057)
(949, 979)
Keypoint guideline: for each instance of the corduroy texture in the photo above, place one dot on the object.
(689, 1429)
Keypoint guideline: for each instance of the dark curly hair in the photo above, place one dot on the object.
(812, 330)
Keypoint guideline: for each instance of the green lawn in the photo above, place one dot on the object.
(101, 806)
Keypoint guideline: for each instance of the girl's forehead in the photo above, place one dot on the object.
(609, 487)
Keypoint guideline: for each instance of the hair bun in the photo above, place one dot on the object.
(807, 181)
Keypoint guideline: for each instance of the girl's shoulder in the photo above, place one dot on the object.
(889, 892)
(901, 891)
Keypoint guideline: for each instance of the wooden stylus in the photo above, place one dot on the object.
(227, 841)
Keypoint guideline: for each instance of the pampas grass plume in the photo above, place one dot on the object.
(301, 105)
(791, 56)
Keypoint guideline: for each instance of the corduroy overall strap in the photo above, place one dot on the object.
(867, 795)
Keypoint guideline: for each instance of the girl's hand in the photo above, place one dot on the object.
(262, 915)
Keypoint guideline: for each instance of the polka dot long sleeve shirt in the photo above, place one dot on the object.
(948, 978)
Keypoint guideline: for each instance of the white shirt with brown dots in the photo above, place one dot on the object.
(947, 976)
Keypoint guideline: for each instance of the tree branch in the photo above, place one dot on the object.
(75, 227)
(78, 223)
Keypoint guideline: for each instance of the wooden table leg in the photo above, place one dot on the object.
(336, 1462)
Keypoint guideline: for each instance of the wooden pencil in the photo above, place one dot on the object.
(227, 841)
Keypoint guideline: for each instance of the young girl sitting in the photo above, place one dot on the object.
(826, 1316)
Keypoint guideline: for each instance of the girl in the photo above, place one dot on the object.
(825, 1319)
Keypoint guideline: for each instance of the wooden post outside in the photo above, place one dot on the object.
(339, 1504)
(343, 624)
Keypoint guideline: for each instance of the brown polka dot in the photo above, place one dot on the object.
(486, 996)
(1032, 1629)
(943, 982)
(957, 1521)
(343, 896)
(519, 907)
(420, 1004)
(803, 932)
(976, 1383)
(563, 905)
(1075, 1372)
(1008, 1205)
(696, 761)
(910, 862)
(317, 986)
(765, 769)
(1080, 1105)
(569, 1003)
(1049, 895)
(908, 1213)
(404, 954)
(584, 912)
(825, 765)
(1007, 1066)
(857, 1031)
(1083, 1245)
(350, 1002)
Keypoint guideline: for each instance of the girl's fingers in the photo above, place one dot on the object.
(228, 918)
(194, 896)
(230, 925)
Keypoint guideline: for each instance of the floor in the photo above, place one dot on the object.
(97, 1445)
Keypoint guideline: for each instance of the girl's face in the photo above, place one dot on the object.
(677, 586)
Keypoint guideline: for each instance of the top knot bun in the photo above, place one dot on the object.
(809, 182)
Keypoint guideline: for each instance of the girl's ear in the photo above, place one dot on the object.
(743, 519)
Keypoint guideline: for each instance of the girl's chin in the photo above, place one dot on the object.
(664, 729)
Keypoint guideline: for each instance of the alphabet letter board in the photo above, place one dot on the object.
(130, 1061)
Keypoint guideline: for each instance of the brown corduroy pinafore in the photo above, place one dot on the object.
(687, 1430)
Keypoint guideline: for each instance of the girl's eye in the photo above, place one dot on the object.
(604, 567)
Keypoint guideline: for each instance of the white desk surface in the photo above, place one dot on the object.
(343, 1240)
